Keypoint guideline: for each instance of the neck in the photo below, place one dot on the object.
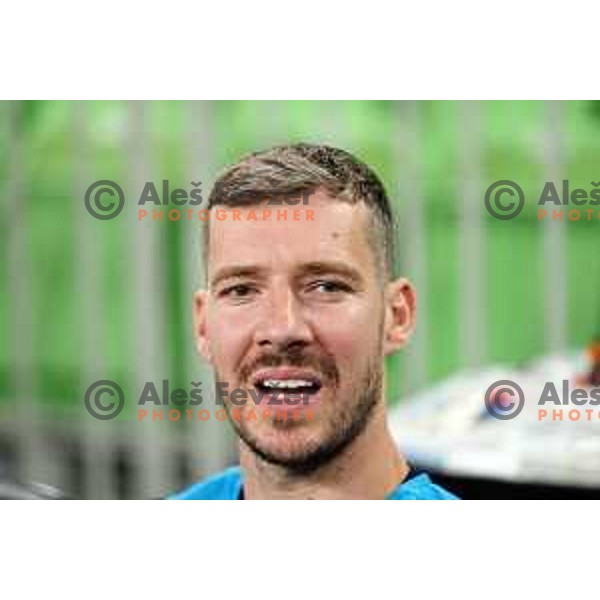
(371, 467)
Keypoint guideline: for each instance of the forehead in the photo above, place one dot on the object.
(338, 231)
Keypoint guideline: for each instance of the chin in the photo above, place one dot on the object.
(299, 450)
(287, 445)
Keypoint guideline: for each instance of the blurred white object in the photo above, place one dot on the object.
(447, 427)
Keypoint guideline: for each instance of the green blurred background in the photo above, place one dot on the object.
(84, 299)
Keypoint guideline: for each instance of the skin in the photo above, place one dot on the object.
(341, 319)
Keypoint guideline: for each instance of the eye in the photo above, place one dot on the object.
(330, 286)
(239, 291)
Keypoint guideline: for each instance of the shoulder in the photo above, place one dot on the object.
(226, 485)
(421, 488)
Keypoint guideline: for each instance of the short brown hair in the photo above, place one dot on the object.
(297, 168)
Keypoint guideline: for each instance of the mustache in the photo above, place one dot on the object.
(324, 365)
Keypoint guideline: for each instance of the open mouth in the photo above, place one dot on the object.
(287, 382)
(288, 386)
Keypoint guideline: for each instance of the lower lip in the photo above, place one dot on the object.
(277, 401)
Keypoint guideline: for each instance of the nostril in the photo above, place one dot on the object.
(286, 345)
(296, 345)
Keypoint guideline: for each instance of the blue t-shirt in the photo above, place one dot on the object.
(228, 485)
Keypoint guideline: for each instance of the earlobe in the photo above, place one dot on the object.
(401, 301)
(199, 320)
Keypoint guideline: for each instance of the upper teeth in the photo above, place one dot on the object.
(286, 383)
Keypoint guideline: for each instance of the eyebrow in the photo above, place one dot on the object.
(337, 267)
(312, 268)
(236, 271)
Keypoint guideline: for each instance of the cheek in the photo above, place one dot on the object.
(353, 338)
(228, 339)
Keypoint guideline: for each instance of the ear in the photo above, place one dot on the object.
(200, 308)
(400, 314)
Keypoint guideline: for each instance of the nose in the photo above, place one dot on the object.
(283, 324)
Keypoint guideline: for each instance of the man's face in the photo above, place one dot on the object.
(300, 305)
